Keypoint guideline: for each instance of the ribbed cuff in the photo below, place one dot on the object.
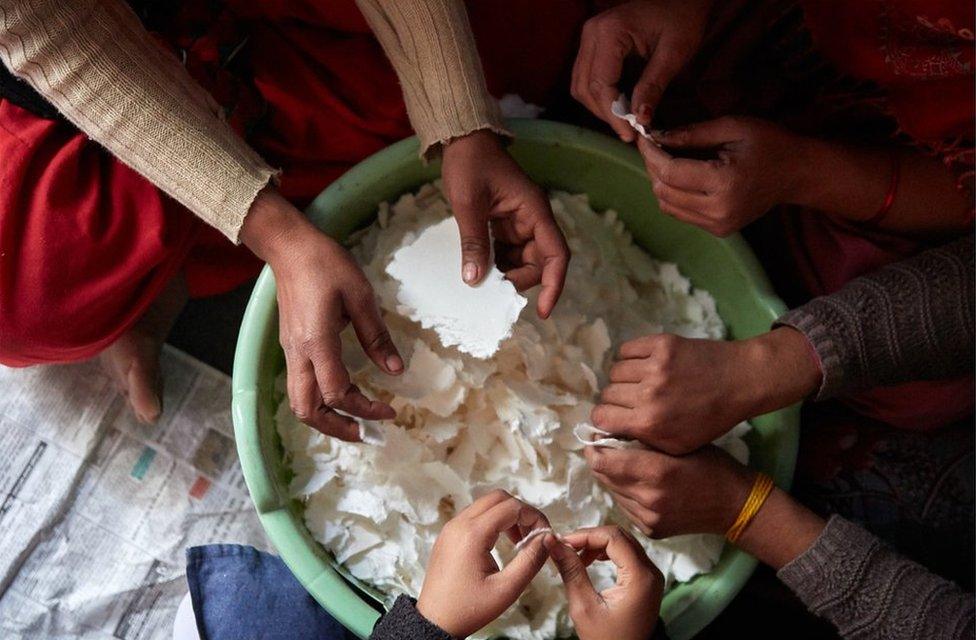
(833, 378)
(432, 140)
(404, 622)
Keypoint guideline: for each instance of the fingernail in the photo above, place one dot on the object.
(394, 363)
(470, 272)
(644, 112)
(155, 409)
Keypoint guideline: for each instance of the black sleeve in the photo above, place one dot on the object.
(404, 622)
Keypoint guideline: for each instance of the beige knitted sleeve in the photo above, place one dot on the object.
(94, 61)
(432, 48)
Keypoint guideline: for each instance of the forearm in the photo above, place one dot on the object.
(432, 49)
(781, 530)
(911, 320)
(867, 590)
(94, 61)
(853, 182)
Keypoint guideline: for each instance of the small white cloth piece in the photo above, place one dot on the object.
(535, 533)
(474, 319)
(590, 436)
(371, 433)
(621, 108)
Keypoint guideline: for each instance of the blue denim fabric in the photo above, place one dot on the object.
(240, 593)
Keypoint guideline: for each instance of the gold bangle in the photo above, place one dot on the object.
(761, 489)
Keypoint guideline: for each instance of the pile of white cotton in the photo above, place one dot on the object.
(467, 425)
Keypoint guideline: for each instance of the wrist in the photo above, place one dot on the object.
(805, 174)
(432, 615)
(786, 370)
(781, 530)
(272, 226)
(473, 144)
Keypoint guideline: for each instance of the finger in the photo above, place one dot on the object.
(695, 201)
(581, 68)
(372, 333)
(708, 134)
(663, 66)
(628, 370)
(515, 577)
(682, 173)
(695, 219)
(554, 254)
(524, 277)
(621, 548)
(332, 424)
(637, 513)
(506, 514)
(485, 502)
(616, 420)
(472, 220)
(606, 66)
(579, 589)
(355, 403)
(620, 465)
(639, 348)
(304, 395)
(622, 394)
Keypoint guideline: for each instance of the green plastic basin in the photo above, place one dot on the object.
(557, 156)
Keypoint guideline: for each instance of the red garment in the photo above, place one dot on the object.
(920, 53)
(86, 244)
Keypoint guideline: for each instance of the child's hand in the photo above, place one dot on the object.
(626, 611)
(463, 589)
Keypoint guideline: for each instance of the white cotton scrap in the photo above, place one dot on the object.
(474, 319)
(513, 105)
(371, 433)
(535, 533)
(590, 436)
(467, 425)
(621, 108)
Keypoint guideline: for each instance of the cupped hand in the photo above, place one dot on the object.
(321, 289)
(665, 495)
(665, 34)
(485, 186)
(626, 611)
(758, 165)
(677, 394)
(463, 588)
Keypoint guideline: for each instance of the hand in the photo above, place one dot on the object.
(667, 34)
(483, 183)
(463, 588)
(677, 394)
(665, 495)
(757, 168)
(320, 290)
(626, 611)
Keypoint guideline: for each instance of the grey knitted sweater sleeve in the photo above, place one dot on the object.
(911, 320)
(869, 591)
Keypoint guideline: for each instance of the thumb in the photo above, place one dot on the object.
(663, 66)
(579, 589)
(518, 573)
(475, 242)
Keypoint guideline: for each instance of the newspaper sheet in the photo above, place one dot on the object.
(96, 509)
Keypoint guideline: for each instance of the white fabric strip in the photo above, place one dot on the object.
(590, 436)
